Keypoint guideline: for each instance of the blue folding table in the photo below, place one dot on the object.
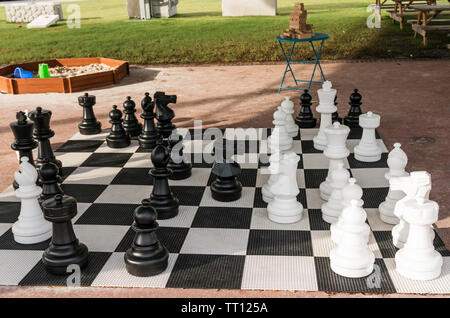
(317, 37)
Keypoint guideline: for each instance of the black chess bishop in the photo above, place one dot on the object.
(164, 114)
(50, 180)
(180, 169)
(146, 256)
(335, 116)
(89, 124)
(149, 135)
(305, 118)
(130, 123)
(117, 137)
(352, 119)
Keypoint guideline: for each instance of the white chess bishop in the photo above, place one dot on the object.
(284, 208)
(326, 108)
(418, 259)
(333, 208)
(352, 256)
(279, 139)
(368, 149)
(274, 161)
(31, 227)
(416, 185)
(287, 106)
(396, 161)
(336, 151)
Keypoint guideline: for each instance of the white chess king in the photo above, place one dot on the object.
(288, 107)
(368, 149)
(31, 227)
(326, 108)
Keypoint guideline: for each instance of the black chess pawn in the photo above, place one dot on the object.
(149, 135)
(352, 119)
(226, 187)
(164, 114)
(64, 249)
(89, 124)
(335, 115)
(147, 256)
(180, 169)
(305, 118)
(43, 133)
(130, 123)
(117, 138)
(162, 198)
(23, 138)
(49, 179)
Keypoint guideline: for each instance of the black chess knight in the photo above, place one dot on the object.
(49, 178)
(149, 135)
(352, 119)
(117, 137)
(164, 114)
(130, 123)
(305, 118)
(89, 124)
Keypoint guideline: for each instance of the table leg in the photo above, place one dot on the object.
(317, 55)
(288, 64)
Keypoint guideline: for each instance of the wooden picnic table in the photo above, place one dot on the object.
(402, 6)
(427, 14)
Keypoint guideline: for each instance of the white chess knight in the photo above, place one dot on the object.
(287, 106)
(336, 151)
(418, 259)
(333, 208)
(284, 208)
(352, 256)
(396, 161)
(280, 139)
(274, 161)
(326, 108)
(31, 227)
(368, 149)
(416, 185)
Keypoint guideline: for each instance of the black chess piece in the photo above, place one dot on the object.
(149, 135)
(305, 118)
(23, 139)
(162, 198)
(180, 169)
(130, 123)
(89, 124)
(226, 187)
(49, 178)
(352, 119)
(117, 138)
(335, 115)
(43, 133)
(164, 114)
(64, 249)
(147, 256)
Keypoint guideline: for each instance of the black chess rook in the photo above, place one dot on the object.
(117, 137)
(149, 135)
(89, 124)
(305, 118)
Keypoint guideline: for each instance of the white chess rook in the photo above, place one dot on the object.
(284, 208)
(368, 149)
(397, 161)
(352, 257)
(418, 259)
(333, 208)
(31, 227)
(279, 139)
(274, 161)
(336, 151)
(326, 108)
(287, 106)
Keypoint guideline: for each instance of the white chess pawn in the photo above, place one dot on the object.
(396, 161)
(287, 106)
(326, 108)
(368, 149)
(274, 161)
(336, 151)
(418, 259)
(333, 208)
(279, 139)
(284, 208)
(31, 227)
(352, 256)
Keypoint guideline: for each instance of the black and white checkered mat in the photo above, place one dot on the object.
(212, 244)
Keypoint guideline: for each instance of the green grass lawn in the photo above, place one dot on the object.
(199, 34)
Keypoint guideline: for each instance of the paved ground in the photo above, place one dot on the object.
(412, 97)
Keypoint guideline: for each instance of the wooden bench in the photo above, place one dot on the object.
(426, 15)
(404, 6)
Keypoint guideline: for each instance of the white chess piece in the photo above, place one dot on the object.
(31, 227)
(333, 208)
(279, 139)
(352, 257)
(368, 149)
(284, 208)
(336, 151)
(397, 161)
(418, 259)
(416, 185)
(274, 161)
(326, 108)
(287, 106)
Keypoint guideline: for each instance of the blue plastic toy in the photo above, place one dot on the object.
(21, 73)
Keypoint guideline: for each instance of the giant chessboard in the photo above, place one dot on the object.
(212, 244)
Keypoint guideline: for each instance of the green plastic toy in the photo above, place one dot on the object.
(43, 71)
